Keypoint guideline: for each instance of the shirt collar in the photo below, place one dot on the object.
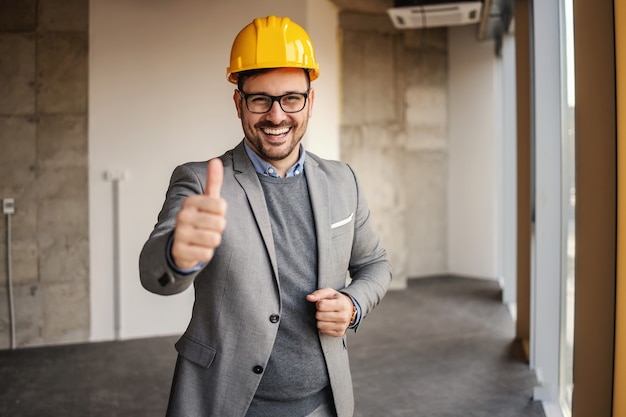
(264, 168)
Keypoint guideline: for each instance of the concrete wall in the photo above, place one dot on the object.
(43, 166)
(394, 133)
(422, 126)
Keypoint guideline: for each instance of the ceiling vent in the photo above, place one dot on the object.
(432, 13)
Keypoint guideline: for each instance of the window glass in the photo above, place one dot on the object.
(566, 384)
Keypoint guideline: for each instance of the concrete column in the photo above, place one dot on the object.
(43, 166)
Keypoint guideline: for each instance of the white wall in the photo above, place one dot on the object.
(158, 97)
(473, 180)
(322, 25)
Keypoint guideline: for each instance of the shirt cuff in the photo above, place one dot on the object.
(171, 264)
(357, 318)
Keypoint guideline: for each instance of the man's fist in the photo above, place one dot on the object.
(334, 311)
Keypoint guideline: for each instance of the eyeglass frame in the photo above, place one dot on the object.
(245, 96)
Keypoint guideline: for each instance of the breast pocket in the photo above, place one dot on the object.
(342, 234)
(342, 226)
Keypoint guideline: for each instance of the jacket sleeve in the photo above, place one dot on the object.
(370, 270)
(154, 271)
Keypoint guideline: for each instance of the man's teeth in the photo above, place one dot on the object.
(280, 131)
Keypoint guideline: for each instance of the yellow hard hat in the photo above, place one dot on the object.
(272, 42)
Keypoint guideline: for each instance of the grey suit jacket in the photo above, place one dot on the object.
(230, 336)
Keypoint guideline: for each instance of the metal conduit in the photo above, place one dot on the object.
(8, 209)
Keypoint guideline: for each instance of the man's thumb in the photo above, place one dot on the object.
(321, 294)
(214, 178)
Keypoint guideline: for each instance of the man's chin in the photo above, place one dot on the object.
(275, 156)
(277, 152)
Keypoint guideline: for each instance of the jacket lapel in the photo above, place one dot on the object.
(247, 178)
(320, 198)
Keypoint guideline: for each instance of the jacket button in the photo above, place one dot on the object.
(257, 369)
(274, 318)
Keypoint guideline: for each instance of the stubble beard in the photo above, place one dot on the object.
(273, 153)
(269, 152)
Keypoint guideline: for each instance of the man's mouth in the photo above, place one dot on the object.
(275, 131)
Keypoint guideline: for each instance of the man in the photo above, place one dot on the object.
(272, 302)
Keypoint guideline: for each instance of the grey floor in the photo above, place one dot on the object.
(442, 348)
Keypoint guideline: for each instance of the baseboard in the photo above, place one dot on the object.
(551, 409)
(512, 307)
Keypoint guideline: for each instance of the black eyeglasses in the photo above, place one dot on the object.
(262, 103)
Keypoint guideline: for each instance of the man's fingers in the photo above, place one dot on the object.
(189, 256)
(333, 311)
(214, 178)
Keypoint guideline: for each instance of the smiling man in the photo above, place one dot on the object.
(267, 233)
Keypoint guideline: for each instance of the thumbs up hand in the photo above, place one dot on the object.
(200, 221)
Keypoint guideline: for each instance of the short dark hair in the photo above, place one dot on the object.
(244, 75)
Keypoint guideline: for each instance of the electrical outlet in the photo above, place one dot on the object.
(8, 205)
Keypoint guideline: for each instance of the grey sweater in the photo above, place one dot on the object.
(295, 380)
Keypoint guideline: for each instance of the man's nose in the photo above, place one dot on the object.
(276, 112)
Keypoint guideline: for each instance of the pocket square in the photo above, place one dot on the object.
(342, 222)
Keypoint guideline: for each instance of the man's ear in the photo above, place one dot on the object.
(238, 102)
(311, 100)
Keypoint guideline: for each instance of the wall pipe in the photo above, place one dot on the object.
(115, 177)
(10, 270)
